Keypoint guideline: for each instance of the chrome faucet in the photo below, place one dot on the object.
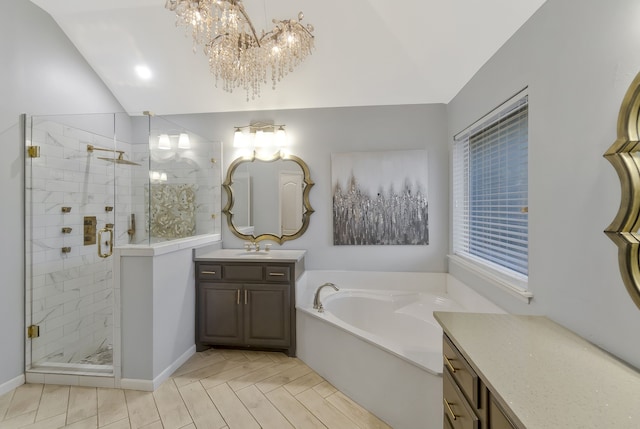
(317, 305)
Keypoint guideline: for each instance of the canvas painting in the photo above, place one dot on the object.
(380, 198)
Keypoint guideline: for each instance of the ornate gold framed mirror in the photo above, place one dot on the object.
(624, 155)
(268, 197)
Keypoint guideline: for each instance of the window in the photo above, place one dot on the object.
(490, 191)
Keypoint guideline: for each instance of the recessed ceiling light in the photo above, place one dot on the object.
(143, 72)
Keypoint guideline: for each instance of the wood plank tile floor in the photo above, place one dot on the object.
(215, 389)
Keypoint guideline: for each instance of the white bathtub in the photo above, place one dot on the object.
(377, 340)
(398, 322)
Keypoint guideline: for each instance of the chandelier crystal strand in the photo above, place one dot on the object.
(196, 16)
(236, 55)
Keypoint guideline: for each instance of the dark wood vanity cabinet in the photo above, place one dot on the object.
(464, 399)
(467, 401)
(508, 371)
(245, 304)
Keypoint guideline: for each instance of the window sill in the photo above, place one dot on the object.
(499, 281)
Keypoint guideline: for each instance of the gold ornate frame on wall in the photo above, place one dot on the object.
(308, 210)
(624, 155)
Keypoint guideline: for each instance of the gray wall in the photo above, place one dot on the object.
(578, 58)
(314, 135)
(41, 73)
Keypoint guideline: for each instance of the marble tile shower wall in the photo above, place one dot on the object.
(198, 168)
(71, 293)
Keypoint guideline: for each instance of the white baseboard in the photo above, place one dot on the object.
(164, 375)
(152, 385)
(13, 383)
(135, 384)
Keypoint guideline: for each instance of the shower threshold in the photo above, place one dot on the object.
(73, 369)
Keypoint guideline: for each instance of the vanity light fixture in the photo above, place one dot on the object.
(183, 141)
(157, 176)
(163, 142)
(240, 141)
(281, 137)
(260, 135)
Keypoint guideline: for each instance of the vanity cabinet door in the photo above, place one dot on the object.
(267, 320)
(220, 313)
(497, 418)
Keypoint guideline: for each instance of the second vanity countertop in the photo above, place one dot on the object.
(545, 375)
(249, 256)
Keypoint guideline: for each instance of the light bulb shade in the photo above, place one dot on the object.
(262, 139)
(281, 137)
(163, 142)
(239, 139)
(183, 141)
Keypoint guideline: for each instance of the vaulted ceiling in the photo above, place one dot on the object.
(367, 52)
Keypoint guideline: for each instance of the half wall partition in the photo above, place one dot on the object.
(93, 183)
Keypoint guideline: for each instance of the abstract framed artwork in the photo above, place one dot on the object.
(380, 198)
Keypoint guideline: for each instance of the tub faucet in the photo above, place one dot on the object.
(317, 305)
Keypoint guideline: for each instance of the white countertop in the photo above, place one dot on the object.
(261, 256)
(546, 375)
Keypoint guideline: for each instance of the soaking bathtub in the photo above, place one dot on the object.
(377, 340)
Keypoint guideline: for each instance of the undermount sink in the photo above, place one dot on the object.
(256, 253)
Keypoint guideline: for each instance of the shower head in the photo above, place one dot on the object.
(119, 160)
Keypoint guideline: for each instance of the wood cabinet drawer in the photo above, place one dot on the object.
(457, 411)
(447, 423)
(278, 274)
(243, 272)
(209, 272)
(462, 373)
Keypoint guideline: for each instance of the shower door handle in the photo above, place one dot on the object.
(108, 242)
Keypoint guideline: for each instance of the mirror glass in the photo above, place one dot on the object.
(268, 198)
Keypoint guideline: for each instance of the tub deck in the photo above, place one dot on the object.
(401, 384)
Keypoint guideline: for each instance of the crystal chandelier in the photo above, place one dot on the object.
(237, 55)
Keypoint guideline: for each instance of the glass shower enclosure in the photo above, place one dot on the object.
(94, 183)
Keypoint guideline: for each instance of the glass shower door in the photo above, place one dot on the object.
(70, 229)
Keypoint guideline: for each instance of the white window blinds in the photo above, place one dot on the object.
(490, 186)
